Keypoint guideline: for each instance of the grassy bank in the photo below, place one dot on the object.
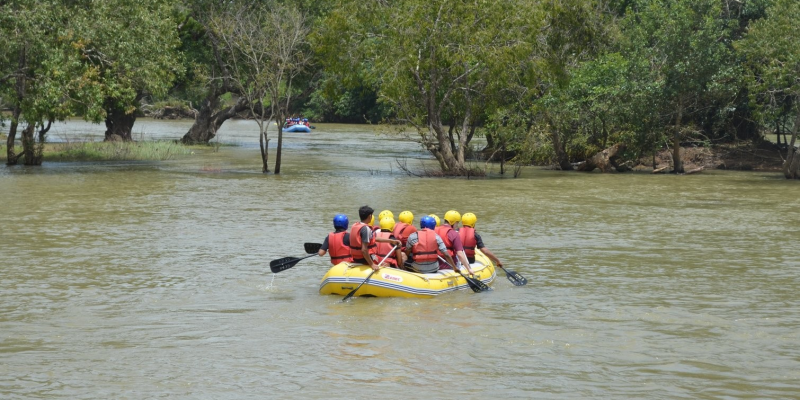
(109, 151)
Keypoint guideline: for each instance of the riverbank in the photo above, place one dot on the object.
(745, 156)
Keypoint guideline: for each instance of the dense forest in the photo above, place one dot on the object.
(544, 81)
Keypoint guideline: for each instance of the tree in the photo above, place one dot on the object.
(132, 46)
(207, 72)
(432, 61)
(560, 35)
(678, 49)
(265, 50)
(772, 48)
(41, 73)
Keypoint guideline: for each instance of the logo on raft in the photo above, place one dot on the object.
(392, 278)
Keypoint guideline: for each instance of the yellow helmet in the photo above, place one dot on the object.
(452, 217)
(384, 214)
(371, 219)
(469, 219)
(387, 223)
(406, 217)
(436, 217)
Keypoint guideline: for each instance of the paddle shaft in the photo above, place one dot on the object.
(474, 284)
(349, 295)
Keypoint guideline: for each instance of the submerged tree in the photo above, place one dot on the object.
(433, 61)
(132, 46)
(772, 47)
(679, 49)
(41, 73)
(264, 51)
(207, 71)
(61, 59)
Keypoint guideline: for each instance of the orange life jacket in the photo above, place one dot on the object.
(426, 249)
(338, 251)
(467, 235)
(385, 249)
(355, 241)
(402, 231)
(442, 230)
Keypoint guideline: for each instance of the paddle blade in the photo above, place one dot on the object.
(283, 260)
(515, 278)
(476, 285)
(312, 248)
(283, 264)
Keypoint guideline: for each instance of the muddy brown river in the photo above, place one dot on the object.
(141, 280)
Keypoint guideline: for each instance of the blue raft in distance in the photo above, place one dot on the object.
(297, 128)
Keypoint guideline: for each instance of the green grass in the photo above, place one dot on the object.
(115, 151)
(108, 151)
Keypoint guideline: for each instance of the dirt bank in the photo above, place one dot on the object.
(765, 156)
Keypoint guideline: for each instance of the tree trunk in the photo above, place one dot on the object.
(119, 124)
(263, 142)
(447, 159)
(676, 144)
(561, 155)
(792, 163)
(11, 156)
(502, 159)
(208, 121)
(278, 151)
(31, 149)
(19, 87)
(204, 127)
(605, 160)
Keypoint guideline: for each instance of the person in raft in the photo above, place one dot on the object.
(447, 231)
(424, 246)
(383, 214)
(383, 250)
(471, 240)
(404, 228)
(363, 241)
(337, 243)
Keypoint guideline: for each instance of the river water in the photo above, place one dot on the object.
(150, 280)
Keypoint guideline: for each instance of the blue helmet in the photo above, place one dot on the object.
(340, 221)
(427, 222)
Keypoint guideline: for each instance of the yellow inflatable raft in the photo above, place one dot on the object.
(393, 282)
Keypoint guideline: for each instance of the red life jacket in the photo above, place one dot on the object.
(338, 251)
(467, 235)
(355, 241)
(442, 230)
(385, 249)
(402, 231)
(426, 249)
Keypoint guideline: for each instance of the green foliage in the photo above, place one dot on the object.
(75, 55)
(772, 49)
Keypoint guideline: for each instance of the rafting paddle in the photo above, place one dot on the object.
(312, 248)
(474, 284)
(282, 264)
(352, 292)
(515, 278)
